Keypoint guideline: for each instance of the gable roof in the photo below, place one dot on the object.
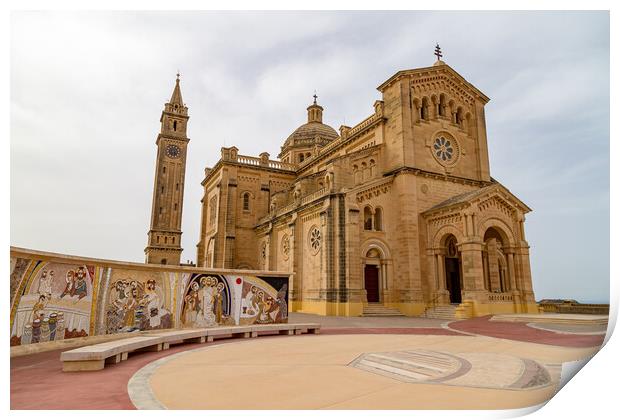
(435, 69)
(471, 195)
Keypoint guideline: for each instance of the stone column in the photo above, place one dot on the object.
(293, 287)
(433, 278)
(511, 271)
(485, 270)
(441, 271)
(473, 274)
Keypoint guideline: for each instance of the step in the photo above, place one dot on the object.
(441, 312)
(377, 309)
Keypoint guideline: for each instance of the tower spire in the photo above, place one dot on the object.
(176, 98)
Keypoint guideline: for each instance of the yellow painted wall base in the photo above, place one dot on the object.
(409, 309)
(482, 309)
(328, 308)
(467, 309)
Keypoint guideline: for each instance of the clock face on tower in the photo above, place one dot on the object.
(173, 151)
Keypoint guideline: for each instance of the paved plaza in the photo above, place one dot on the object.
(355, 363)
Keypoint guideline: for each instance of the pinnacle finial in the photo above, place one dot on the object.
(438, 52)
(178, 75)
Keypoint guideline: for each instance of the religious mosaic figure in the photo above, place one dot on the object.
(249, 303)
(45, 283)
(155, 315)
(136, 305)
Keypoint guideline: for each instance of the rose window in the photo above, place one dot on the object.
(315, 239)
(443, 149)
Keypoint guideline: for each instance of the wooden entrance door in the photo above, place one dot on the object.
(453, 278)
(371, 282)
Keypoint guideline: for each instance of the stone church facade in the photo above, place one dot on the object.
(399, 210)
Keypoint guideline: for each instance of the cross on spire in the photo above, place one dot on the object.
(438, 52)
(315, 97)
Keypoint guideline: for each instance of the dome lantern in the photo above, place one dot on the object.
(315, 111)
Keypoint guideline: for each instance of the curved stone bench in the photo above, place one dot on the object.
(96, 356)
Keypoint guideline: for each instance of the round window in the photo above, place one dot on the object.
(445, 149)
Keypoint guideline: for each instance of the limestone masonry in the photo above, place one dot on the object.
(398, 211)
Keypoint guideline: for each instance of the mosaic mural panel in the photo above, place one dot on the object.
(54, 303)
(67, 297)
(137, 300)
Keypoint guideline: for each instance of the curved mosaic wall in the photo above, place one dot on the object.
(54, 297)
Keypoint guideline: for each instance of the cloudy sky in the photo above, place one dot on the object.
(87, 90)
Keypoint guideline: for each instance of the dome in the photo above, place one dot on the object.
(311, 133)
(308, 133)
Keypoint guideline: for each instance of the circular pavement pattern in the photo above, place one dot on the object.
(352, 372)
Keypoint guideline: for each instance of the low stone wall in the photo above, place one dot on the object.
(575, 308)
(58, 297)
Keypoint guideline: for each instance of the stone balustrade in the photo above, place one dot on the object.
(500, 297)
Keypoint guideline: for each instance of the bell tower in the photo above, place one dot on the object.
(164, 237)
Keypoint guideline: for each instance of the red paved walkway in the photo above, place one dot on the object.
(37, 381)
(521, 332)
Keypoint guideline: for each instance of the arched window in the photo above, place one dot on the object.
(174, 126)
(165, 239)
(468, 124)
(378, 219)
(301, 158)
(246, 201)
(372, 168)
(164, 169)
(424, 109)
(452, 107)
(175, 206)
(367, 218)
(365, 175)
(459, 116)
(442, 105)
(417, 107)
(164, 261)
(356, 174)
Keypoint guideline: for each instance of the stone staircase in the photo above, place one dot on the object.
(377, 309)
(441, 312)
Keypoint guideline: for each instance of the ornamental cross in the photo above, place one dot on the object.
(438, 52)
(315, 97)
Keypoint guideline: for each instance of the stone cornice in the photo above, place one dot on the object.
(220, 163)
(445, 69)
(436, 175)
(170, 137)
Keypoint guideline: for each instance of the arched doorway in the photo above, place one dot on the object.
(372, 278)
(371, 282)
(453, 270)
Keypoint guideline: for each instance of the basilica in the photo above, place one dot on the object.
(398, 212)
